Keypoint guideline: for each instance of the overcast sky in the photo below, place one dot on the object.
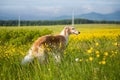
(57, 7)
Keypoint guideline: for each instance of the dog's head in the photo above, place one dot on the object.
(71, 30)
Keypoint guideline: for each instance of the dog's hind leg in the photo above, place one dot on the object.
(42, 56)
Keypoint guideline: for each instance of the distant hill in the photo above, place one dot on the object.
(92, 16)
(115, 16)
(97, 16)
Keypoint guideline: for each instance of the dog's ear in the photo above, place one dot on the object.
(66, 27)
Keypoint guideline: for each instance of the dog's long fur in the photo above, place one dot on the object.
(50, 45)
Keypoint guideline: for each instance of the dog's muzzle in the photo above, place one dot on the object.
(77, 32)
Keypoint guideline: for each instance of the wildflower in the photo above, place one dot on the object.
(90, 58)
(49, 69)
(13, 50)
(97, 44)
(105, 53)
(97, 55)
(115, 52)
(100, 62)
(115, 43)
(49, 49)
(89, 51)
(103, 62)
(77, 59)
(91, 48)
(97, 52)
(112, 51)
(80, 60)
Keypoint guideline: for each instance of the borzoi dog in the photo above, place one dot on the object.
(48, 45)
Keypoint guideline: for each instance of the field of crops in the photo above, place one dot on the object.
(92, 55)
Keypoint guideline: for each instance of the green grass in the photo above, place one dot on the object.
(80, 60)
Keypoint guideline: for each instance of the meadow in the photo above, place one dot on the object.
(92, 55)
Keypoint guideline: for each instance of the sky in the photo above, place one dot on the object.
(57, 7)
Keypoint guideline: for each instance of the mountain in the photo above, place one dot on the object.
(115, 16)
(97, 16)
(92, 16)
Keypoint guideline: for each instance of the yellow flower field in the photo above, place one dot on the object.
(92, 55)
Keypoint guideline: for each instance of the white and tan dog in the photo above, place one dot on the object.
(50, 45)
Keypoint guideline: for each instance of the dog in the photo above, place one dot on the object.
(48, 45)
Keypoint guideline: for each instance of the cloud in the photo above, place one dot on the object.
(57, 7)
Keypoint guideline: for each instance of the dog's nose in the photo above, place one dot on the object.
(78, 32)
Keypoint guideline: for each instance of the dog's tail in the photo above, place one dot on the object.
(28, 58)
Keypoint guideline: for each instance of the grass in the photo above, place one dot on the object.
(92, 55)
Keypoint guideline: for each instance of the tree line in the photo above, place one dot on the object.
(53, 22)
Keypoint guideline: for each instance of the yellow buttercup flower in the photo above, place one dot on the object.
(115, 43)
(97, 55)
(91, 58)
(81, 60)
(103, 62)
(97, 52)
(90, 50)
(97, 44)
(100, 62)
(115, 52)
(105, 53)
